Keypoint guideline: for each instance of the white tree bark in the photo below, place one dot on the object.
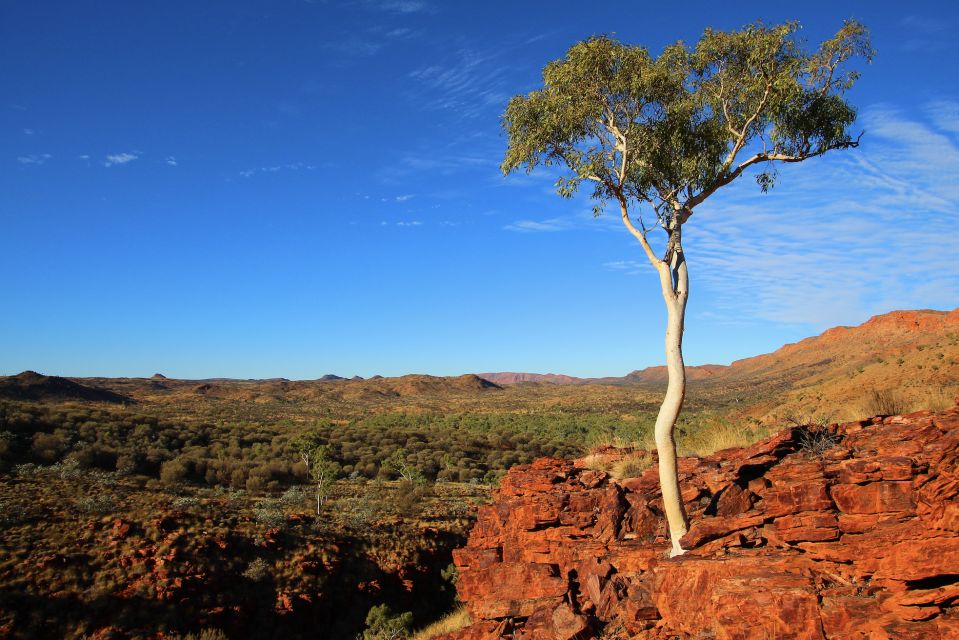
(675, 281)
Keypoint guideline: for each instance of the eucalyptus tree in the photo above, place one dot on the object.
(320, 465)
(657, 136)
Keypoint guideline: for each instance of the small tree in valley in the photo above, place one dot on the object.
(658, 136)
(320, 466)
(396, 463)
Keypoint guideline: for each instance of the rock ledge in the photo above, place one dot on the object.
(860, 540)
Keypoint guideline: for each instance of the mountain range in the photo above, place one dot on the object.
(903, 359)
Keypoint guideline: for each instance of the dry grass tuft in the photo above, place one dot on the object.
(891, 402)
(816, 441)
(937, 399)
(620, 463)
(452, 622)
(719, 436)
(631, 466)
(885, 402)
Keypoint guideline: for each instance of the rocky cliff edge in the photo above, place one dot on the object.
(850, 531)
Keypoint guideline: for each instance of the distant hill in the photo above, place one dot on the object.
(31, 385)
(515, 378)
(905, 356)
(910, 358)
(893, 330)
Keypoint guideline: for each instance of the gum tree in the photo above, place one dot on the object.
(657, 136)
(320, 466)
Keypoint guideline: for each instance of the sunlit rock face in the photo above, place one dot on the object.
(851, 534)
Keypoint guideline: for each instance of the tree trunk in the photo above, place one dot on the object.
(674, 279)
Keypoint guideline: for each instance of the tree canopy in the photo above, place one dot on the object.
(670, 130)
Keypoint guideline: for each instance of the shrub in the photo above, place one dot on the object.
(47, 446)
(67, 469)
(294, 496)
(269, 516)
(96, 505)
(12, 514)
(257, 570)
(359, 511)
(174, 472)
(185, 502)
(815, 441)
(382, 624)
(26, 470)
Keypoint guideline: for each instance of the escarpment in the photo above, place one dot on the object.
(850, 531)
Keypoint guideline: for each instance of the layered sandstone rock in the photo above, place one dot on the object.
(856, 539)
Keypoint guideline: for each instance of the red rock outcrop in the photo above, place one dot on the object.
(855, 539)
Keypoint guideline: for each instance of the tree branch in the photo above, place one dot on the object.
(724, 179)
(639, 235)
(742, 134)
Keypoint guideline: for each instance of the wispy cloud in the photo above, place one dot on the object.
(471, 84)
(858, 232)
(945, 115)
(293, 166)
(402, 223)
(397, 6)
(629, 267)
(437, 162)
(404, 197)
(926, 34)
(28, 132)
(534, 226)
(355, 47)
(171, 161)
(120, 158)
(368, 42)
(578, 219)
(34, 158)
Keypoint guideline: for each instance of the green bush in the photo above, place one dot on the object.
(383, 624)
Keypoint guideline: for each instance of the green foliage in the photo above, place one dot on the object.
(185, 502)
(323, 469)
(397, 464)
(294, 496)
(12, 514)
(383, 624)
(667, 130)
(173, 472)
(269, 516)
(201, 548)
(262, 455)
(97, 504)
(257, 571)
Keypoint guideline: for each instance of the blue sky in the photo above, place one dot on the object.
(292, 188)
